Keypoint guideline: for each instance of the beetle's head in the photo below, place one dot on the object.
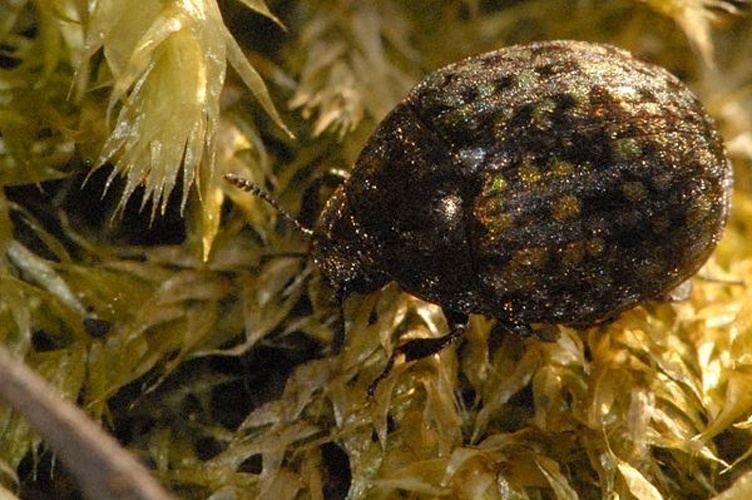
(335, 247)
(338, 248)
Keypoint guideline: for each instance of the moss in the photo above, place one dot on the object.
(197, 331)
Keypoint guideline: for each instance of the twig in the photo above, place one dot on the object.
(103, 468)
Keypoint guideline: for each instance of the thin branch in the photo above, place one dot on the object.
(103, 468)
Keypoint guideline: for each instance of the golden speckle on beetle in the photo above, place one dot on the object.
(573, 254)
(560, 168)
(595, 246)
(529, 173)
(542, 114)
(566, 207)
(634, 191)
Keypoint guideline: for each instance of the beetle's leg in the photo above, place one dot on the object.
(338, 337)
(421, 348)
(544, 332)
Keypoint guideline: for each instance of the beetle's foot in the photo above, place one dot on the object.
(422, 348)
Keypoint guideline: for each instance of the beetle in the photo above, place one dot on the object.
(558, 182)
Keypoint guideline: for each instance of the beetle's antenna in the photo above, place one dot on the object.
(256, 190)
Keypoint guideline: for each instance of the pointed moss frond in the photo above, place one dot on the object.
(347, 72)
(260, 7)
(168, 62)
(37, 118)
(695, 17)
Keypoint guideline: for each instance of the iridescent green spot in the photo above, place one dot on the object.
(486, 92)
(626, 149)
(506, 114)
(451, 100)
(581, 101)
(542, 113)
(560, 168)
(459, 115)
(497, 184)
(527, 78)
(501, 123)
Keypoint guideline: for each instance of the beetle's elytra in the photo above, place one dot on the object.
(555, 182)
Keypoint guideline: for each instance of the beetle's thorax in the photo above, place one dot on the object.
(338, 250)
